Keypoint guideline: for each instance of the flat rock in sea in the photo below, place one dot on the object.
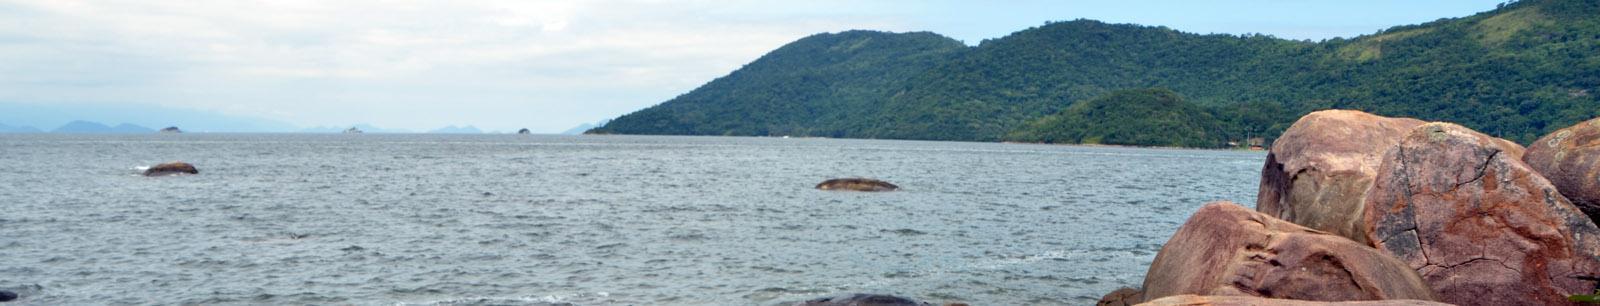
(1570, 159)
(1193, 300)
(862, 299)
(1318, 171)
(857, 184)
(172, 168)
(1227, 249)
(1477, 223)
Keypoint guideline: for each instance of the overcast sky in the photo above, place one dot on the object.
(504, 65)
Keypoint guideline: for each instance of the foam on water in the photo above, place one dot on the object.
(549, 220)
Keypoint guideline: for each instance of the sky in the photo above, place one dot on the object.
(505, 65)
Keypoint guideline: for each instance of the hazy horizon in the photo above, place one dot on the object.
(501, 65)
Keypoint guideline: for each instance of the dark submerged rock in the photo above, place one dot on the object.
(524, 132)
(171, 130)
(172, 168)
(1570, 159)
(7, 296)
(1317, 174)
(1479, 225)
(857, 184)
(863, 299)
(1227, 249)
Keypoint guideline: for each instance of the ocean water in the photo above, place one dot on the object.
(599, 220)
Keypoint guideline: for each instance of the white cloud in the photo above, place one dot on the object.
(412, 64)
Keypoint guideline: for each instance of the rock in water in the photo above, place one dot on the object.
(857, 184)
(1477, 223)
(1570, 159)
(172, 168)
(1121, 297)
(861, 299)
(171, 130)
(1194, 300)
(7, 296)
(1318, 172)
(524, 132)
(1227, 249)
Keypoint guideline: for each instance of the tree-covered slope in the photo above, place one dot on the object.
(1517, 71)
(1139, 117)
(813, 86)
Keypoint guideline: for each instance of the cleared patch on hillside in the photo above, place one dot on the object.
(1371, 48)
(1499, 28)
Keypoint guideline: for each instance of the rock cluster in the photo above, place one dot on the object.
(1359, 209)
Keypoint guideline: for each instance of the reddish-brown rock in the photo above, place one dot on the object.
(1318, 171)
(1226, 249)
(1477, 223)
(1121, 297)
(172, 168)
(1570, 159)
(1197, 300)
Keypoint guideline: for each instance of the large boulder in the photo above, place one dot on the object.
(1318, 171)
(1477, 223)
(1197, 300)
(1570, 159)
(1227, 249)
(857, 184)
(172, 168)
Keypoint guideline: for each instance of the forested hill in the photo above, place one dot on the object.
(1517, 71)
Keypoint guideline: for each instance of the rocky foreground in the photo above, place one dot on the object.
(1360, 209)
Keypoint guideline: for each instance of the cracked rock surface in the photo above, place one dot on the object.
(1318, 171)
(1478, 224)
(1227, 249)
(1570, 159)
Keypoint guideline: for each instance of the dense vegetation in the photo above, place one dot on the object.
(1517, 71)
(1143, 117)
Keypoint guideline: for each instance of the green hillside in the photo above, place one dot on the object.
(1517, 71)
(1128, 117)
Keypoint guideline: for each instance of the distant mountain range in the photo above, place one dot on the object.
(366, 128)
(97, 128)
(1517, 71)
(457, 130)
(45, 116)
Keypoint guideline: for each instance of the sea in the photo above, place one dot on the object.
(422, 219)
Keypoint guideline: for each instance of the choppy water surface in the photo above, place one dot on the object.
(507, 219)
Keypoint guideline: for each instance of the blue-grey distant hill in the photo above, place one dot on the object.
(18, 129)
(581, 128)
(1517, 71)
(365, 128)
(50, 115)
(457, 130)
(87, 127)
